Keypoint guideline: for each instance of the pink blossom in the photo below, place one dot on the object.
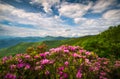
(27, 66)
(101, 77)
(65, 75)
(4, 59)
(36, 56)
(61, 68)
(103, 73)
(12, 66)
(66, 63)
(73, 49)
(27, 56)
(94, 68)
(76, 55)
(47, 72)
(10, 76)
(20, 65)
(47, 53)
(87, 53)
(106, 62)
(42, 55)
(57, 50)
(81, 51)
(87, 61)
(66, 51)
(38, 67)
(19, 60)
(61, 73)
(45, 61)
(37, 63)
(117, 63)
(79, 74)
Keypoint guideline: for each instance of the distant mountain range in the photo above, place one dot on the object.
(6, 41)
(105, 44)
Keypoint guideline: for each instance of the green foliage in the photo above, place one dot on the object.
(64, 62)
(105, 44)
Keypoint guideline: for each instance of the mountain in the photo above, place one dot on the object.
(105, 44)
(6, 41)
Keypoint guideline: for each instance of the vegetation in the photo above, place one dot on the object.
(105, 44)
(7, 41)
(42, 60)
(64, 62)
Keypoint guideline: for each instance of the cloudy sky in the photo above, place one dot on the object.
(69, 18)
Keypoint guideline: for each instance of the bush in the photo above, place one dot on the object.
(64, 62)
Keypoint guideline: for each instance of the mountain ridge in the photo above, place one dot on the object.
(11, 41)
(105, 44)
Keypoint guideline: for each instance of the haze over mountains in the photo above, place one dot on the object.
(6, 41)
(105, 44)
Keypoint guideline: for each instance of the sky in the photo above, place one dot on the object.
(67, 18)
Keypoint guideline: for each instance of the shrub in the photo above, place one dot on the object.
(64, 62)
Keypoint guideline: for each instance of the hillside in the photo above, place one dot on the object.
(6, 41)
(21, 47)
(105, 44)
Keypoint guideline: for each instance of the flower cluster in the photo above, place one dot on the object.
(64, 62)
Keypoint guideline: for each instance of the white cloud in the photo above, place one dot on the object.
(18, 0)
(102, 5)
(23, 17)
(47, 4)
(50, 25)
(112, 14)
(79, 20)
(53, 25)
(74, 10)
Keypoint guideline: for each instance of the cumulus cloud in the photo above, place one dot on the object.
(50, 25)
(23, 17)
(74, 10)
(55, 26)
(47, 4)
(112, 14)
(79, 20)
(102, 5)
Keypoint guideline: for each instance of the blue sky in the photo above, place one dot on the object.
(68, 18)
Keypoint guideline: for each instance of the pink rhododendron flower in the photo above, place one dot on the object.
(47, 72)
(76, 55)
(87, 61)
(103, 73)
(61, 68)
(60, 73)
(65, 75)
(27, 56)
(10, 76)
(4, 59)
(38, 67)
(12, 66)
(45, 61)
(79, 74)
(117, 63)
(19, 60)
(87, 53)
(36, 56)
(66, 51)
(27, 66)
(20, 65)
(81, 51)
(66, 63)
(42, 55)
(46, 53)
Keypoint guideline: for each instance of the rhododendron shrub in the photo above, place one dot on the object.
(64, 62)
